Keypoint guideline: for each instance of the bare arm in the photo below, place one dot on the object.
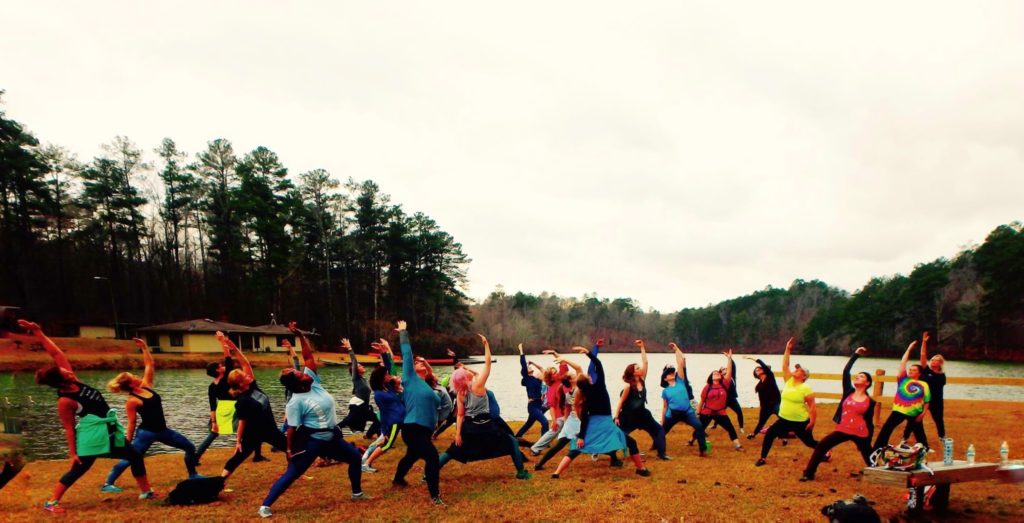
(481, 378)
(924, 349)
(786, 374)
(562, 361)
(621, 402)
(131, 408)
(460, 417)
(147, 359)
(643, 357)
(680, 358)
(812, 409)
(66, 412)
(307, 348)
(230, 347)
(293, 359)
(51, 348)
(906, 357)
(728, 365)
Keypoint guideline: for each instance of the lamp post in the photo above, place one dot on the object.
(113, 303)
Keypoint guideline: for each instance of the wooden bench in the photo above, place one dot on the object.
(944, 476)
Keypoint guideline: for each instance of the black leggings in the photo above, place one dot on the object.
(357, 418)
(894, 420)
(252, 443)
(935, 408)
(784, 426)
(767, 411)
(419, 446)
(562, 442)
(722, 420)
(734, 405)
(829, 442)
(128, 453)
(443, 426)
(644, 421)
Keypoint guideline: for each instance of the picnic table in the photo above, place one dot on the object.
(942, 477)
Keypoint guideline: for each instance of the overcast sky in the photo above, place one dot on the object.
(678, 153)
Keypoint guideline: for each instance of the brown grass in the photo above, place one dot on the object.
(724, 487)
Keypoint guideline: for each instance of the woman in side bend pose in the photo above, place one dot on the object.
(477, 436)
(933, 374)
(714, 401)
(555, 398)
(387, 392)
(145, 402)
(598, 433)
(910, 404)
(571, 427)
(768, 394)
(97, 433)
(256, 422)
(854, 419)
(797, 412)
(534, 395)
(419, 422)
(676, 398)
(734, 396)
(313, 429)
(631, 412)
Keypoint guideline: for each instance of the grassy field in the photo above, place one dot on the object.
(723, 487)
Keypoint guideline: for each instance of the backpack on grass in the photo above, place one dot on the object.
(196, 491)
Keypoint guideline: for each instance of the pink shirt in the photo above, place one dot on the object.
(556, 392)
(852, 421)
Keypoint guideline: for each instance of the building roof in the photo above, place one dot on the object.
(278, 329)
(199, 325)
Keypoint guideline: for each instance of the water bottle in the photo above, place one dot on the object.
(970, 454)
(708, 447)
(1004, 454)
(947, 451)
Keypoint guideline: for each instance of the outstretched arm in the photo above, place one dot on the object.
(924, 349)
(729, 365)
(230, 347)
(785, 359)
(147, 360)
(481, 377)
(408, 363)
(524, 371)
(680, 358)
(562, 361)
(906, 357)
(351, 359)
(847, 382)
(52, 349)
(643, 357)
(307, 348)
(291, 354)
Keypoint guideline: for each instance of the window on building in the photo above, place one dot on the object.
(153, 340)
(245, 341)
(177, 339)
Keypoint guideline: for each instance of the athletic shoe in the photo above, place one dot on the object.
(827, 458)
(739, 449)
(265, 512)
(438, 501)
(785, 442)
(742, 431)
(617, 463)
(113, 489)
(367, 468)
(538, 466)
(399, 482)
(54, 507)
(805, 477)
(360, 496)
(643, 472)
(751, 436)
(149, 494)
(760, 462)
(524, 474)
(260, 459)
(554, 476)
(664, 457)
(196, 476)
(534, 453)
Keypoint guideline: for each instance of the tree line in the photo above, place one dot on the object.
(226, 235)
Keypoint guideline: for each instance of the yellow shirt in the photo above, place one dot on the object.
(793, 406)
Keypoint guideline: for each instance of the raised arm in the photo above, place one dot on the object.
(387, 359)
(524, 371)
(847, 382)
(52, 349)
(231, 348)
(680, 358)
(481, 377)
(906, 357)
(408, 364)
(786, 374)
(729, 366)
(643, 357)
(292, 357)
(564, 362)
(307, 348)
(924, 349)
(147, 360)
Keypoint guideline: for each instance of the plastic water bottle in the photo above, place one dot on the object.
(1004, 454)
(970, 454)
(708, 447)
(947, 451)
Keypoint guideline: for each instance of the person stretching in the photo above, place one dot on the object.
(571, 427)
(534, 395)
(675, 398)
(477, 436)
(419, 423)
(360, 412)
(598, 433)
(932, 373)
(797, 411)
(313, 431)
(145, 402)
(387, 393)
(768, 395)
(631, 412)
(555, 399)
(256, 423)
(97, 434)
(910, 404)
(714, 401)
(734, 396)
(854, 419)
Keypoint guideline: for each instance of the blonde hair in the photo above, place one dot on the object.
(235, 379)
(122, 382)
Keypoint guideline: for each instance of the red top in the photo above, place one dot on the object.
(556, 392)
(716, 398)
(852, 421)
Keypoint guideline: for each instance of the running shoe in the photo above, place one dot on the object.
(113, 489)
(149, 494)
(760, 462)
(367, 468)
(399, 482)
(524, 474)
(742, 431)
(617, 463)
(664, 457)
(555, 476)
(827, 458)
(643, 472)
(739, 449)
(360, 496)
(54, 507)
(805, 477)
(260, 459)
(438, 501)
(265, 512)
(751, 436)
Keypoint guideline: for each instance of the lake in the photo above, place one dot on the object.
(185, 403)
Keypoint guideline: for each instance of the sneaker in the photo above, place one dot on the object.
(760, 462)
(265, 512)
(54, 507)
(555, 476)
(643, 472)
(438, 501)
(367, 468)
(399, 482)
(196, 476)
(524, 474)
(360, 496)
(538, 467)
(785, 442)
(739, 449)
(616, 463)
(149, 494)
(827, 458)
(751, 436)
(113, 489)
(664, 457)
(534, 453)
(805, 477)
(260, 459)
(742, 431)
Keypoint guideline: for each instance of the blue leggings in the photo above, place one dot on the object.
(336, 449)
(536, 414)
(688, 417)
(145, 439)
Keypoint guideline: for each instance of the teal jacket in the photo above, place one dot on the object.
(96, 436)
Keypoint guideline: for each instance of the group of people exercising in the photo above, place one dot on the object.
(572, 407)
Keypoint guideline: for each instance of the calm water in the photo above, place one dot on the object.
(186, 407)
